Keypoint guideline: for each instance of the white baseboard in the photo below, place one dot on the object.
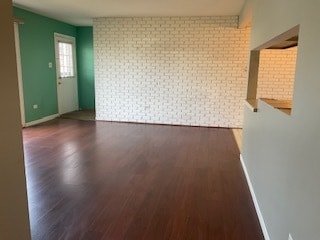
(255, 201)
(42, 120)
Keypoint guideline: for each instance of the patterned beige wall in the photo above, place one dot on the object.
(276, 73)
(171, 70)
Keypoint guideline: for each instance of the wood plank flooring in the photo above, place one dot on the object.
(237, 132)
(98, 180)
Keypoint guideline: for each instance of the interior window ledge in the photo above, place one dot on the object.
(282, 105)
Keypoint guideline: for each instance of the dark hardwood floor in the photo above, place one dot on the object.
(97, 180)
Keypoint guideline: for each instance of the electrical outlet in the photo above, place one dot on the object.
(35, 106)
(50, 64)
(289, 237)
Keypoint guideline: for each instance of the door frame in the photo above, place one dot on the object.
(68, 39)
(19, 72)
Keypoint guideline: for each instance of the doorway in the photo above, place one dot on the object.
(67, 82)
(19, 71)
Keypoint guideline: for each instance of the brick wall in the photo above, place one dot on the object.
(171, 70)
(276, 73)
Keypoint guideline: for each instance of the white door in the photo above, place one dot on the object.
(67, 83)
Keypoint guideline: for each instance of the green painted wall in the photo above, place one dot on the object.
(37, 50)
(85, 67)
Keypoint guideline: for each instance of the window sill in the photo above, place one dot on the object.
(284, 106)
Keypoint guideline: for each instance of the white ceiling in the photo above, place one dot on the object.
(81, 12)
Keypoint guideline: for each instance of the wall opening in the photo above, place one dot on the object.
(272, 72)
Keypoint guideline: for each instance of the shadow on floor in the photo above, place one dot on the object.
(86, 115)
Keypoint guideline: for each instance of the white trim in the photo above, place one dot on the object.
(42, 120)
(255, 201)
(19, 71)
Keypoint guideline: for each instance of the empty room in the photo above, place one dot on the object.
(160, 120)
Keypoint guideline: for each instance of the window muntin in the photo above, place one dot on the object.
(66, 68)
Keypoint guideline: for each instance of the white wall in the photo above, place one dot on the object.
(281, 152)
(276, 73)
(14, 221)
(171, 70)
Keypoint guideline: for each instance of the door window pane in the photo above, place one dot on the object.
(66, 60)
